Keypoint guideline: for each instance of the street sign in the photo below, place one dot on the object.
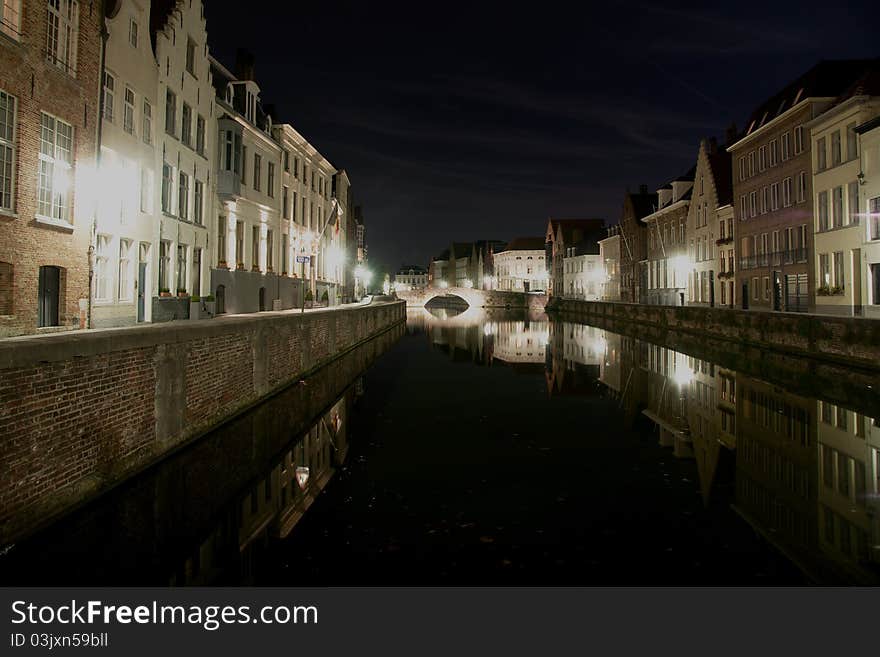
(302, 259)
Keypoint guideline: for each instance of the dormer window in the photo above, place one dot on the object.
(229, 94)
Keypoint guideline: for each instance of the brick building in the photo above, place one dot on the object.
(772, 190)
(634, 242)
(50, 58)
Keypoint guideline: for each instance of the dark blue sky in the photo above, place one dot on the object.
(477, 121)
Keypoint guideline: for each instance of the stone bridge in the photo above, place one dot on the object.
(474, 298)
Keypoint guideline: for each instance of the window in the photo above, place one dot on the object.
(774, 196)
(799, 140)
(762, 158)
(837, 207)
(743, 211)
(146, 190)
(62, 34)
(296, 167)
(786, 146)
(753, 204)
(824, 270)
(786, 192)
(183, 196)
(766, 287)
(802, 187)
(221, 241)
(7, 151)
(255, 248)
(852, 190)
(164, 265)
(285, 208)
(133, 34)
(258, 166)
(286, 160)
(186, 125)
(197, 272)
(181, 267)
(56, 168)
(270, 180)
(200, 135)
(102, 270)
(269, 245)
(128, 112)
(774, 153)
(285, 252)
(835, 148)
(10, 21)
(191, 57)
(124, 290)
(109, 93)
(148, 122)
(167, 186)
(752, 164)
(838, 269)
(822, 210)
(821, 155)
(851, 142)
(239, 244)
(243, 164)
(198, 201)
(170, 112)
(765, 200)
(755, 288)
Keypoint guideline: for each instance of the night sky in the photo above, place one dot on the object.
(475, 122)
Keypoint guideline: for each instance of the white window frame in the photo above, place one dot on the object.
(147, 122)
(62, 34)
(128, 110)
(102, 268)
(133, 33)
(124, 287)
(109, 95)
(183, 195)
(10, 18)
(51, 170)
(8, 152)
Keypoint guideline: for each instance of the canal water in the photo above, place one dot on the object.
(505, 448)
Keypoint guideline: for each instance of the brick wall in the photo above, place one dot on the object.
(839, 339)
(79, 413)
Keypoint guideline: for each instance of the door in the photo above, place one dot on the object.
(857, 281)
(777, 291)
(49, 295)
(525, 286)
(142, 290)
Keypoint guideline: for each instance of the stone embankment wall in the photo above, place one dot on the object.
(844, 340)
(80, 412)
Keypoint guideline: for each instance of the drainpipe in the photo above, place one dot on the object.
(98, 133)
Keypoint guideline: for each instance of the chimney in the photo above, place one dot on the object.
(643, 189)
(713, 145)
(730, 134)
(244, 64)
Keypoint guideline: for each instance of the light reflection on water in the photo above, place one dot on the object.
(807, 471)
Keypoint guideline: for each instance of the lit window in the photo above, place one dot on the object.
(56, 169)
(62, 34)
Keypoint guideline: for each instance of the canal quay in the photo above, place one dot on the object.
(503, 447)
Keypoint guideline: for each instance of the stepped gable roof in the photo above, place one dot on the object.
(525, 244)
(827, 79)
(160, 12)
(721, 165)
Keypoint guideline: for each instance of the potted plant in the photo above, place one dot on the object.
(836, 290)
(309, 299)
(195, 307)
(181, 292)
(164, 292)
(209, 304)
(325, 299)
(823, 291)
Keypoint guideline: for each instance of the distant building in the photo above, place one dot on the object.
(869, 199)
(464, 264)
(520, 267)
(773, 194)
(583, 273)
(411, 277)
(709, 230)
(667, 264)
(609, 255)
(634, 243)
(837, 210)
(562, 234)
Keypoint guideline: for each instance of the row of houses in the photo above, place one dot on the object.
(138, 172)
(783, 216)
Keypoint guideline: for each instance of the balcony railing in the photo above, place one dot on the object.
(774, 259)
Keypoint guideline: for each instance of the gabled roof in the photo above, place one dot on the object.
(524, 244)
(160, 12)
(720, 164)
(827, 79)
(643, 204)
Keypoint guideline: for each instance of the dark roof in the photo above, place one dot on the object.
(160, 11)
(720, 164)
(868, 125)
(867, 84)
(828, 78)
(416, 269)
(444, 255)
(525, 244)
(643, 204)
(580, 231)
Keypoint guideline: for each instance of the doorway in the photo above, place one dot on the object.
(49, 293)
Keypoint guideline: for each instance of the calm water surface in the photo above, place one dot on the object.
(502, 448)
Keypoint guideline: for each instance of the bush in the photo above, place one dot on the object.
(325, 298)
(195, 298)
(309, 296)
(209, 298)
(164, 289)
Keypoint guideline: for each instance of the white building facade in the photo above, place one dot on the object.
(521, 266)
(869, 200)
(583, 275)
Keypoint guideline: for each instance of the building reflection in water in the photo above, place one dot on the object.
(273, 504)
(804, 473)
